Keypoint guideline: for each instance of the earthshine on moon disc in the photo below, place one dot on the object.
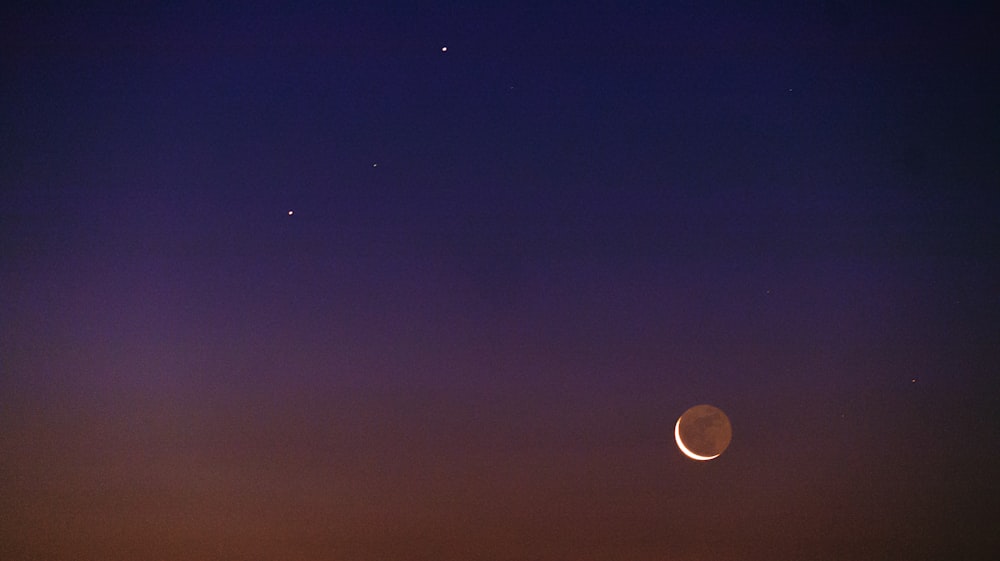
(703, 432)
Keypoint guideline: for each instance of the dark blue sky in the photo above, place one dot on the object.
(510, 267)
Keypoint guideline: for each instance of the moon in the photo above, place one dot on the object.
(703, 432)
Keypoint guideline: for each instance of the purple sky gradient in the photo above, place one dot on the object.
(511, 266)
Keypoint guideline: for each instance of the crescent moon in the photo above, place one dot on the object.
(684, 449)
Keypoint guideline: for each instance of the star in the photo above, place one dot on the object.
(291, 212)
(444, 49)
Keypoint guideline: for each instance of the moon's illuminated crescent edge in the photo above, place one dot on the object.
(684, 449)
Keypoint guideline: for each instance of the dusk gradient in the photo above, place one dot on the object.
(434, 281)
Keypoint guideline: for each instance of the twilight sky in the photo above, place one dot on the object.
(295, 282)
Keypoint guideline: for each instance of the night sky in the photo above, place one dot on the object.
(434, 282)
